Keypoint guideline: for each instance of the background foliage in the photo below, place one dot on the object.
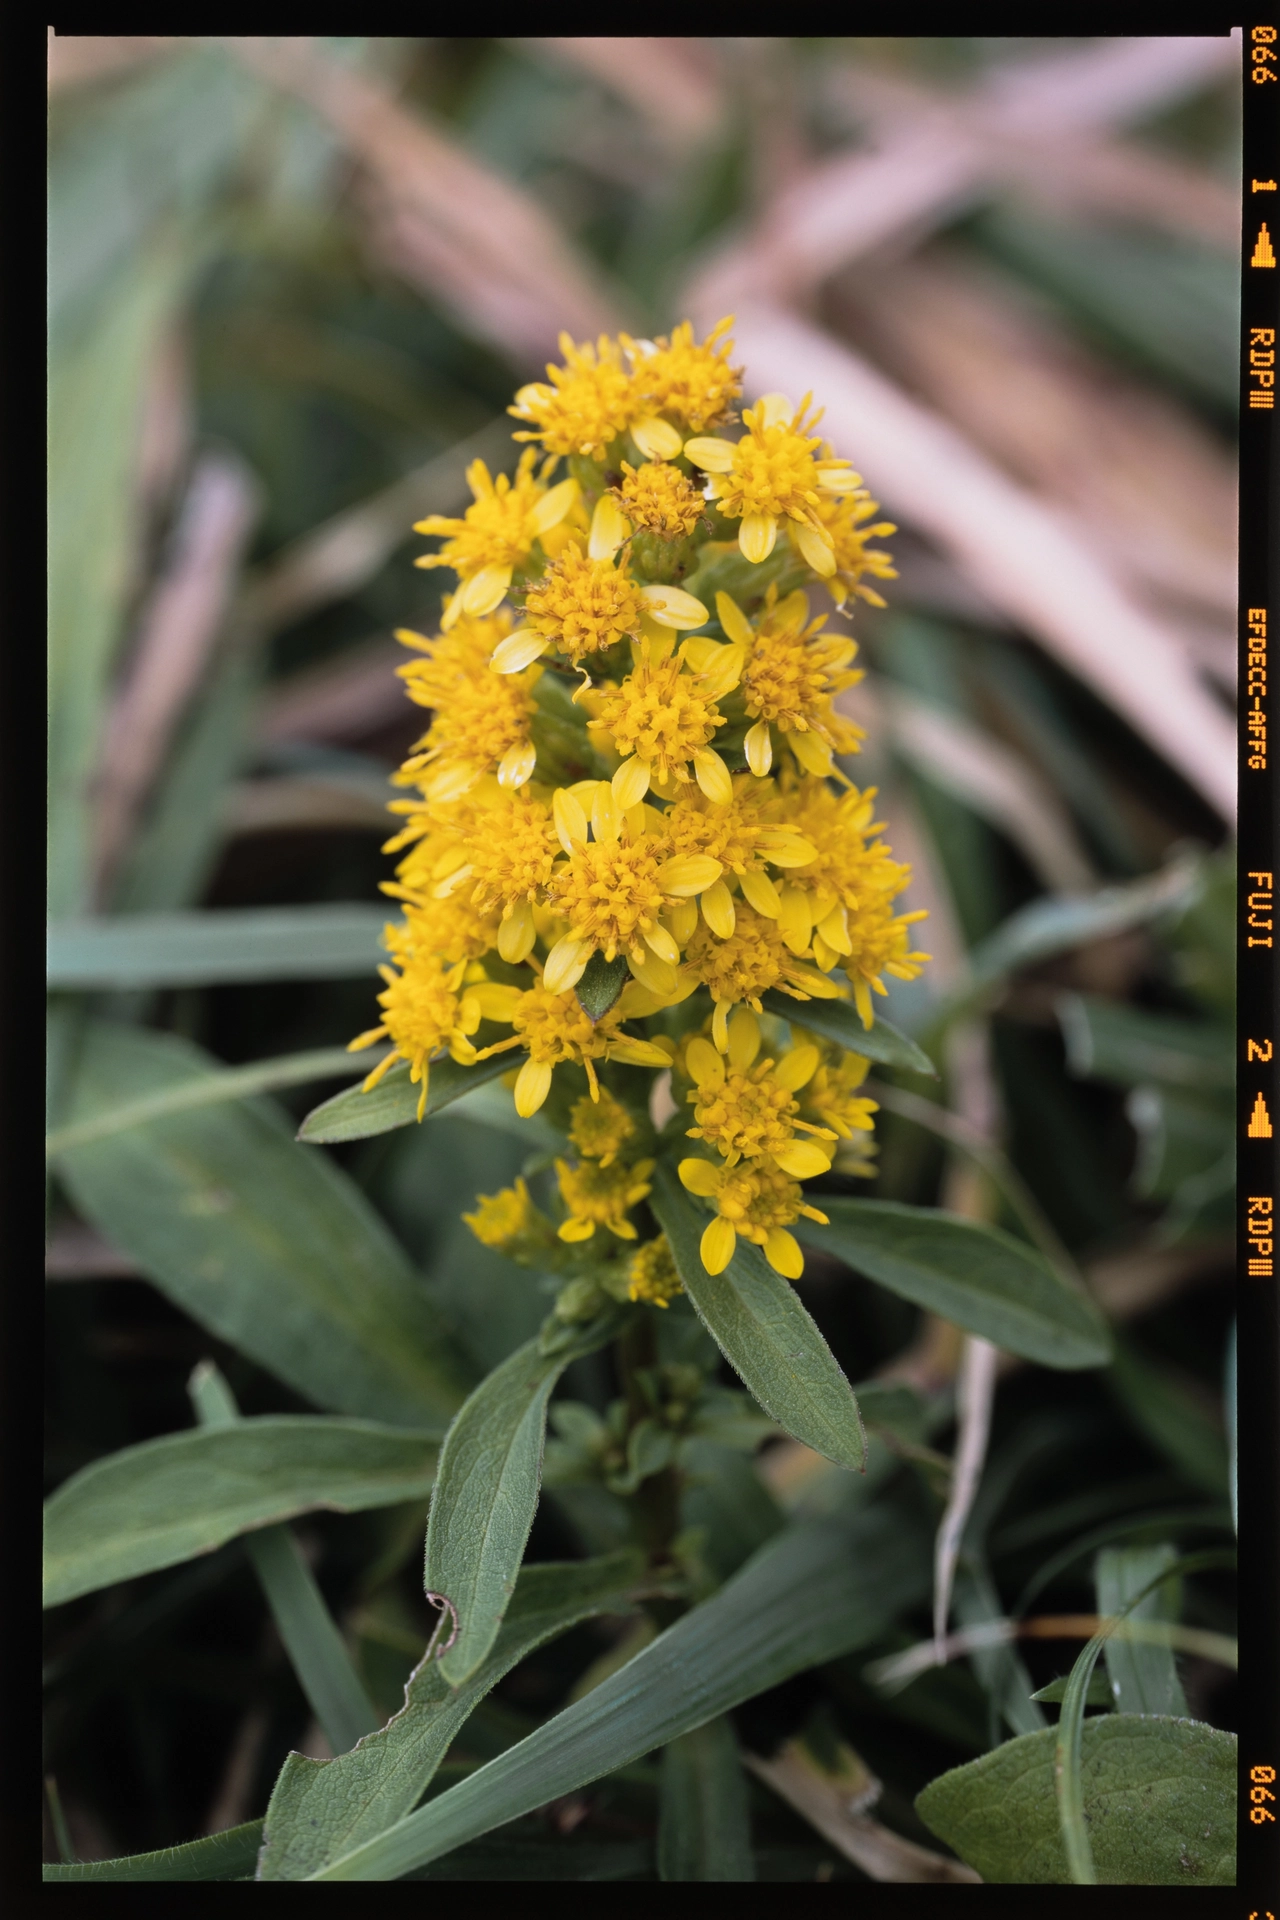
(292, 287)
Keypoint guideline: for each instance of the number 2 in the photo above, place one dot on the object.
(1259, 1050)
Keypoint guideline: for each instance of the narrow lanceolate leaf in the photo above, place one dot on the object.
(837, 1020)
(207, 1090)
(1144, 1678)
(308, 1632)
(1107, 1040)
(221, 1856)
(272, 1248)
(487, 1490)
(758, 1322)
(1051, 926)
(704, 1825)
(322, 1809)
(1159, 1798)
(977, 1276)
(202, 949)
(813, 1593)
(356, 1115)
(97, 375)
(169, 1499)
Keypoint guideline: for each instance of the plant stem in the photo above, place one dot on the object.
(655, 1505)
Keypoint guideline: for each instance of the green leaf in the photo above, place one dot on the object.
(273, 1249)
(233, 1083)
(837, 1020)
(977, 1276)
(1171, 1417)
(601, 984)
(205, 949)
(355, 1115)
(169, 1499)
(704, 1824)
(1109, 1040)
(814, 1593)
(116, 173)
(757, 1320)
(1098, 1693)
(1143, 1677)
(486, 1492)
(317, 1652)
(170, 861)
(316, 1649)
(1048, 927)
(221, 1856)
(999, 1669)
(96, 384)
(1171, 302)
(321, 1809)
(1159, 1796)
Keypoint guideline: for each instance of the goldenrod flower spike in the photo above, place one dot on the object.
(670, 824)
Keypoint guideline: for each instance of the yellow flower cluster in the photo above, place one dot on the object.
(626, 821)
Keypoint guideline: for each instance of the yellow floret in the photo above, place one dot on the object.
(502, 1219)
(599, 1129)
(661, 715)
(424, 1012)
(793, 668)
(587, 404)
(755, 1200)
(692, 382)
(842, 516)
(657, 498)
(581, 606)
(598, 1196)
(498, 531)
(652, 1276)
(773, 474)
(611, 892)
(482, 719)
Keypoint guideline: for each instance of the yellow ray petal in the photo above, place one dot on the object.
(717, 1245)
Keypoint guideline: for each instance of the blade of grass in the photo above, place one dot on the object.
(315, 1647)
(262, 1076)
(205, 949)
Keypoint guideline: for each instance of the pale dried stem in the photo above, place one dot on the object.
(1151, 488)
(936, 162)
(967, 1191)
(177, 634)
(77, 60)
(344, 699)
(997, 783)
(1018, 549)
(881, 1853)
(1053, 148)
